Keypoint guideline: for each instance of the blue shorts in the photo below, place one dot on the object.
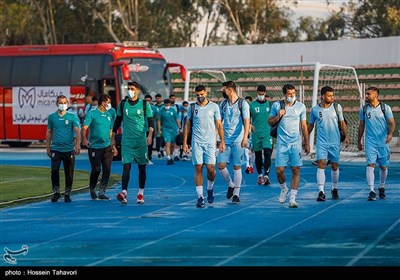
(203, 153)
(233, 154)
(328, 152)
(288, 155)
(379, 155)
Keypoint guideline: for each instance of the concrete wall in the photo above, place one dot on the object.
(344, 52)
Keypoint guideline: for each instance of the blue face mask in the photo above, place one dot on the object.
(201, 99)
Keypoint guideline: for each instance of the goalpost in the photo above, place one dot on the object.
(308, 78)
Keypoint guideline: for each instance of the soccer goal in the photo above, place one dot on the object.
(308, 78)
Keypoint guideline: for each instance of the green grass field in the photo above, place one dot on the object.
(19, 185)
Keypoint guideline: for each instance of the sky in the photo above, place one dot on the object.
(304, 8)
(315, 8)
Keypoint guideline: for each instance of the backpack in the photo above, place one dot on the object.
(274, 129)
(240, 104)
(189, 137)
(382, 108)
(122, 103)
(342, 135)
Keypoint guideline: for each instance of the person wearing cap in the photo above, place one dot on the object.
(292, 136)
(168, 126)
(235, 117)
(133, 115)
(261, 139)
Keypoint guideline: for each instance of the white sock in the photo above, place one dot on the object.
(382, 177)
(335, 178)
(199, 191)
(370, 178)
(283, 186)
(210, 184)
(141, 191)
(321, 179)
(237, 175)
(247, 152)
(293, 194)
(227, 177)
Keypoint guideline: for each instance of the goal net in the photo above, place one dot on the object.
(307, 78)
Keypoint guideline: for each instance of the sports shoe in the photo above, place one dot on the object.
(235, 199)
(372, 196)
(200, 203)
(150, 162)
(260, 180)
(381, 193)
(185, 158)
(176, 158)
(140, 199)
(93, 194)
(229, 193)
(249, 170)
(335, 194)
(283, 194)
(122, 197)
(321, 196)
(170, 161)
(266, 180)
(293, 204)
(67, 198)
(103, 197)
(210, 195)
(56, 196)
(159, 156)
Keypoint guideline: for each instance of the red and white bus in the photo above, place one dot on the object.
(32, 76)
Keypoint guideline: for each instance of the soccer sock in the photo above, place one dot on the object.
(382, 177)
(335, 178)
(199, 191)
(293, 194)
(141, 191)
(210, 184)
(225, 174)
(321, 179)
(247, 152)
(370, 178)
(237, 175)
(283, 186)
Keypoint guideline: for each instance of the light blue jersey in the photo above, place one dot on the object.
(327, 123)
(376, 127)
(289, 126)
(232, 120)
(203, 122)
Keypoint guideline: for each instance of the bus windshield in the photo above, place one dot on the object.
(151, 74)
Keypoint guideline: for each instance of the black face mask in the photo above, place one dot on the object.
(201, 99)
(224, 95)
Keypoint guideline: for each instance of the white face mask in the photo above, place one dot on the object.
(108, 107)
(261, 97)
(74, 106)
(62, 107)
(131, 93)
(167, 107)
(290, 99)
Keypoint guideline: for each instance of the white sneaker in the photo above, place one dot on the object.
(282, 196)
(150, 163)
(293, 204)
